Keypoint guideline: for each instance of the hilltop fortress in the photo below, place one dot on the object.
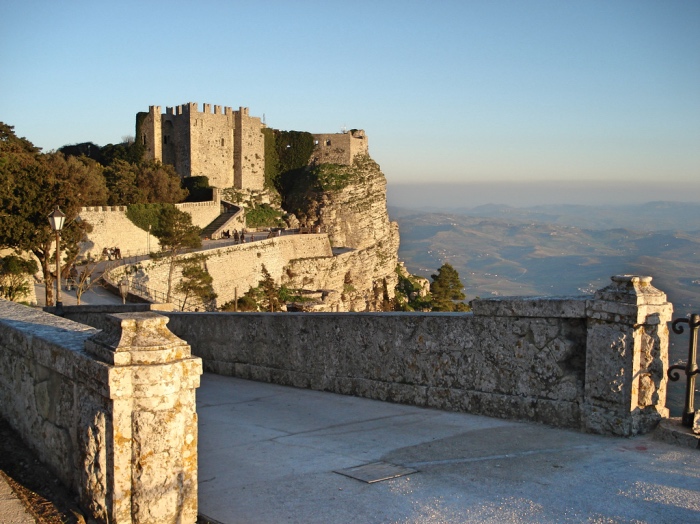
(226, 146)
(346, 262)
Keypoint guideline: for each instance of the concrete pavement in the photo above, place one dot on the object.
(268, 454)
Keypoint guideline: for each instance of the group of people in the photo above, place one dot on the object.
(242, 238)
(238, 237)
(109, 252)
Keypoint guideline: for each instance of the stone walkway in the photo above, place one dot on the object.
(12, 510)
(269, 454)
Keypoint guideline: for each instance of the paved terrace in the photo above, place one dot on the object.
(268, 454)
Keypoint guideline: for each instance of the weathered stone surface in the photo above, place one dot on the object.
(626, 357)
(123, 436)
(351, 266)
(546, 307)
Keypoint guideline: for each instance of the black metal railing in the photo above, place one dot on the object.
(690, 367)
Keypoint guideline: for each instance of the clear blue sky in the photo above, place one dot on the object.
(448, 91)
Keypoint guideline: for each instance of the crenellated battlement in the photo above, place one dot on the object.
(103, 209)
(192, 108)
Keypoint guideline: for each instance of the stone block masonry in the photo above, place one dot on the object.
(224, 145)
(111, 412)
(596, 364)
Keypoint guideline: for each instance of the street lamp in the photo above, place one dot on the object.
(124, 289)
(56, 219)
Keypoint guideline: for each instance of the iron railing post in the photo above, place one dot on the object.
(690, 368)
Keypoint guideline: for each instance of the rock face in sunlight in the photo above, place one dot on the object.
(349, 203)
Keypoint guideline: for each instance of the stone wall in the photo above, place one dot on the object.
(596, 364)
(111, 228)
(212, 144)
(249, 154)
(349, 279)
(202, 213)
(111, 412)
(239, 267)
(339, 148)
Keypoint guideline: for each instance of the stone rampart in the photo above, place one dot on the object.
(592, 363)
(112, 228)
(237, 268)
(202, 213)
(111, 412)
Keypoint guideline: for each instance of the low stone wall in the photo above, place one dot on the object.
(592, 363)
(111, 412)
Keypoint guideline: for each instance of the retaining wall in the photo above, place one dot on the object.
(111, 412)
(240, 265)
(592, 363)
(111, 228)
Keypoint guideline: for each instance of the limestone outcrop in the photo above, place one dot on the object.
(349, 203)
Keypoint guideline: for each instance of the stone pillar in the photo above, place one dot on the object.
(138, 431)
(626, 357)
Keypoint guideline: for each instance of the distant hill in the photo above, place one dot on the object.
(651, 216)
(530, 253)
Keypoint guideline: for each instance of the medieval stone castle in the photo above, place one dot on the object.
(226, 146)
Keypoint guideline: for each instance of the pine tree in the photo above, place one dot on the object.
(446, 288)
(196, 282)
(176, 233)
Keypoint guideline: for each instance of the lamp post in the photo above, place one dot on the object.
(56, 219)
(124, 289)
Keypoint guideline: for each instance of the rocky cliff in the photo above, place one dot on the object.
(349, 203)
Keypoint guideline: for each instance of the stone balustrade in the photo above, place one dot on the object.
(111, 412)
(595, 364)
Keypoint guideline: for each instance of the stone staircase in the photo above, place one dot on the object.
(233, 217)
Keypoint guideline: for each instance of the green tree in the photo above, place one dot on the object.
(198, 188)
(120, 176)
(15, 273)
(131, 152)
(143, 183)
(266, 296)
(272, 159)
(176, 233)
(159, 183)
(446, 288)
(294, 149)
(196, 282)
(31, 185)
(269, 292)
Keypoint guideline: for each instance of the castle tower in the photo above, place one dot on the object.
(249, 152)
(339, 148)
(148, 131)
(224, 145)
